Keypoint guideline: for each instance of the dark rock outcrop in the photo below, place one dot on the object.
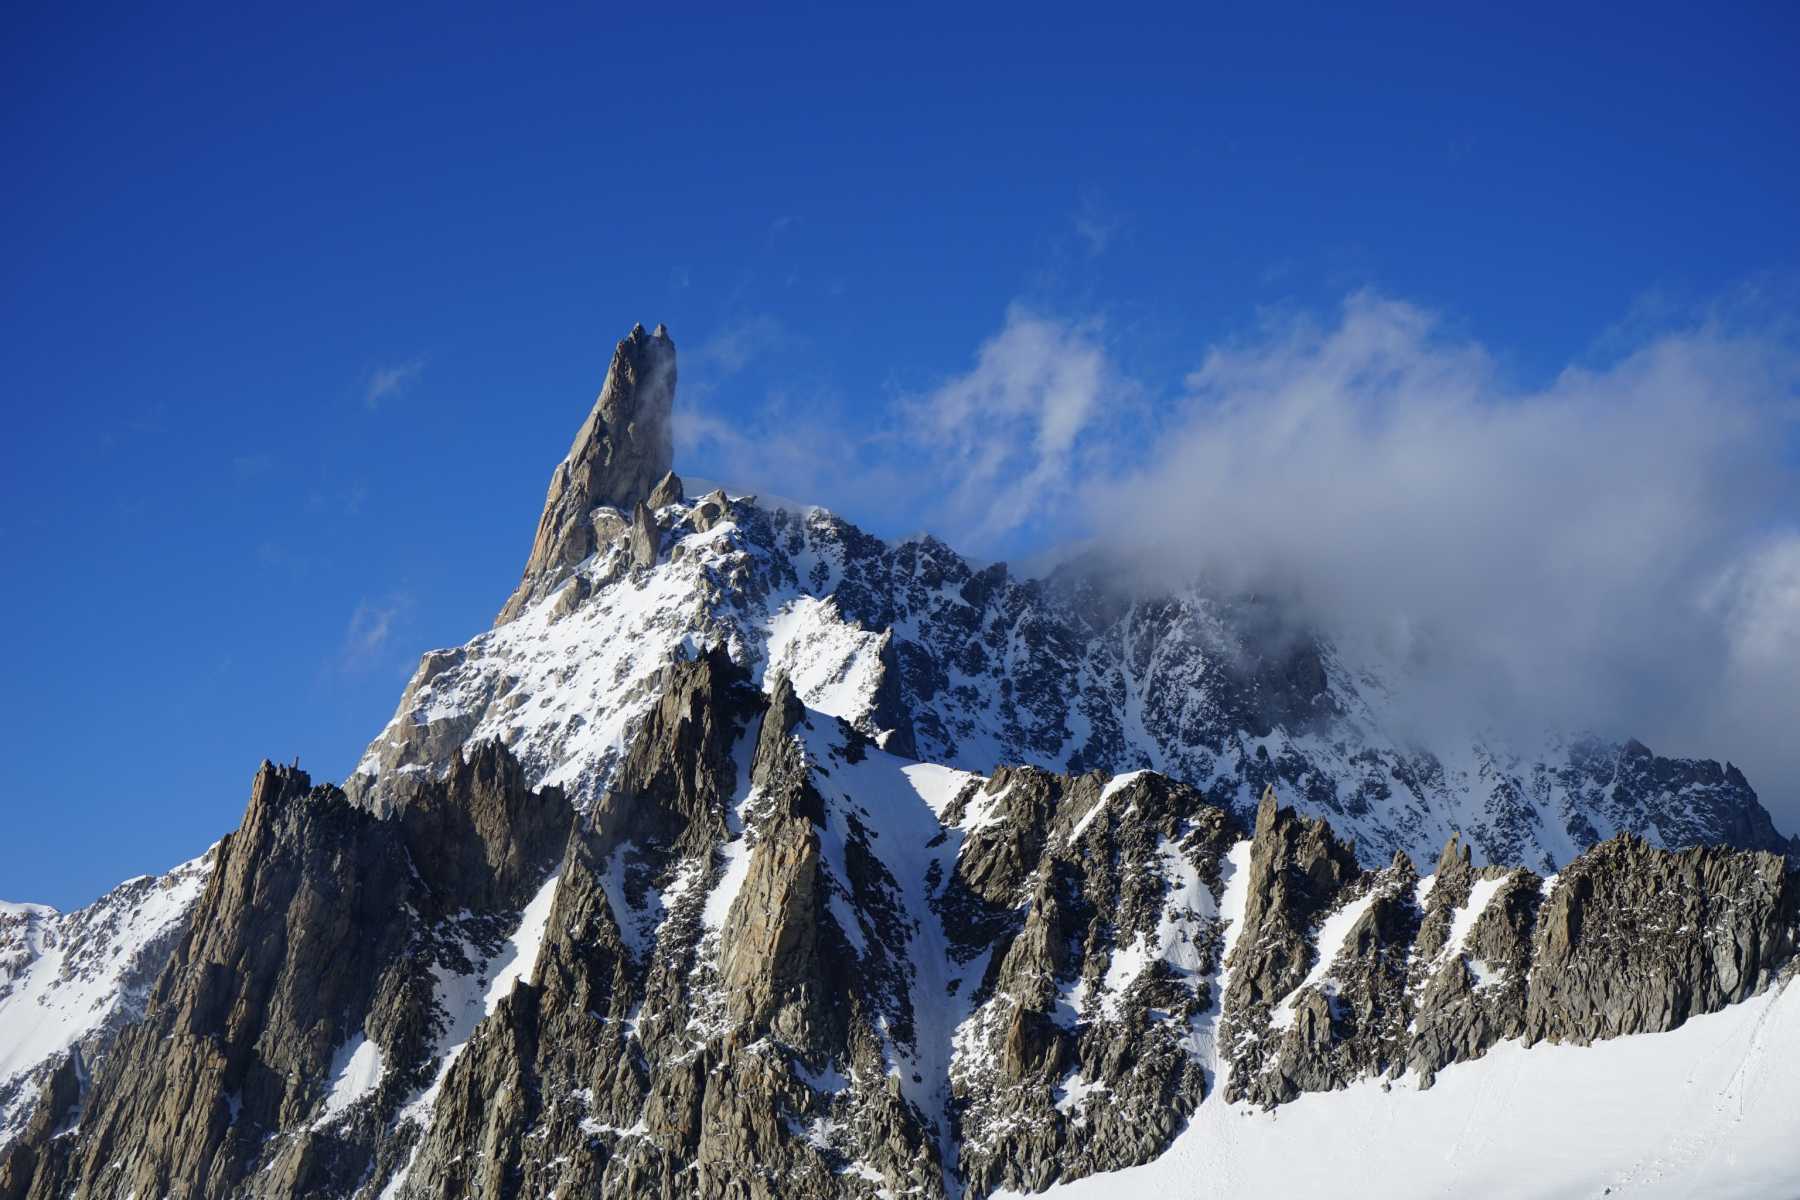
(322, 924)
(1350, 975)
(621, 452)
(646, 538)
(1093, 906)
(41, 1148)
(666, 492)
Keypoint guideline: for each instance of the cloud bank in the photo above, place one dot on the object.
(1609, 551)
(1615, 550)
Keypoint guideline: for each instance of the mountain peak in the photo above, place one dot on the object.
(619, 454)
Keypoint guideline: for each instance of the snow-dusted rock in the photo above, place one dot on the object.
(70, 981)
(975, 668)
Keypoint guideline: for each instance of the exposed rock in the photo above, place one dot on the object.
(729, 993)
(646, 538)
(666, 492)
(620, 454)
(709, 510)
(1298, 872)
(1632, 939)
(38, 1148)
(570, 598)
(480, 838)
(1052, 1088)
(321, 925)
(70, 982)
(1637, 940)
(888, 714)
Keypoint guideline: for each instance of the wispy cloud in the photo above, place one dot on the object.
(386, 382)
(1095, 225)
(799, 447)
(986, 455)
(371, 630)
(1010, 439)
(740, 342)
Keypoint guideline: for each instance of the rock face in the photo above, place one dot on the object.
(322, 928)
(678, 884)
(1340, 974)
(776, 960)
(622, 451)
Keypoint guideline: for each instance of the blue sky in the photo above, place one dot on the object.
(301, 309)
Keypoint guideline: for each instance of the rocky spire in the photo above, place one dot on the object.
(620, 453)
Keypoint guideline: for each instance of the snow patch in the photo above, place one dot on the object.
(1114, 786)
(355, 1071)
(1463, 923)
(468, 998)
(1334, 931)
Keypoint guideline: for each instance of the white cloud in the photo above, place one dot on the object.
(386, 382)
(741, 342)
(1008, 441)
(370, 630)
(1592, 553)
(1095, 226)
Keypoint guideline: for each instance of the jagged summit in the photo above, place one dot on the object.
(620, 453)
(774, 960)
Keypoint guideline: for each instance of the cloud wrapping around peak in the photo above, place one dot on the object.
(1616, 550)
(1613, 551)
(1323, 450)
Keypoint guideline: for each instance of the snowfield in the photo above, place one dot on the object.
(70, 979)
(1711, 1109)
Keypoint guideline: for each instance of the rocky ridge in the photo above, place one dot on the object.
(620, 452)
(777, 960)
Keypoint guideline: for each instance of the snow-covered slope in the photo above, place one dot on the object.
(1705, 1110)
(70, 980)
